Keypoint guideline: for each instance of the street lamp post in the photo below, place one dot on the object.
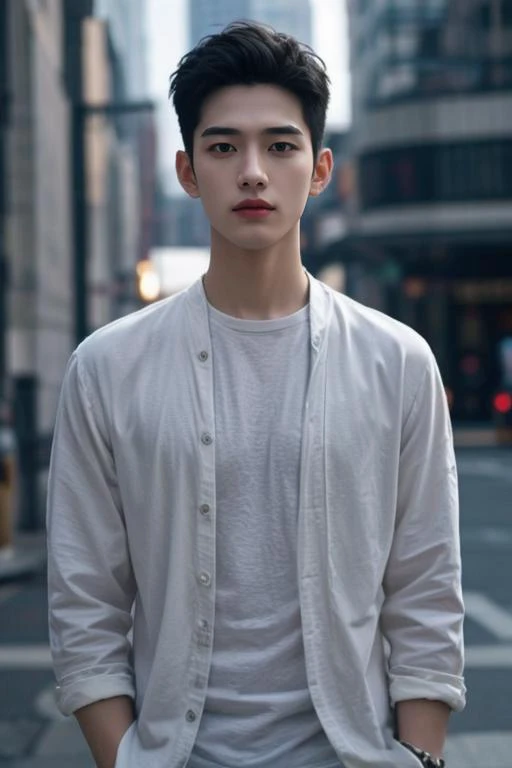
(81, 112)
(4, 273)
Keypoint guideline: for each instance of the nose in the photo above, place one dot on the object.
(252, 174)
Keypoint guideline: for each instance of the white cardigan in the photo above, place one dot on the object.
(131, 528)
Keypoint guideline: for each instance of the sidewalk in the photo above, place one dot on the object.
(61, 744)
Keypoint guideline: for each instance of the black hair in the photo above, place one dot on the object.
(249, 53)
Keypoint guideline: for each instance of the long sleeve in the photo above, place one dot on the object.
(422, 614)
(90, 580)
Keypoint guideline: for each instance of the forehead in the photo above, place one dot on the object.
(249, 107)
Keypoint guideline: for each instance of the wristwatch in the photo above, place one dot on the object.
(425, 758)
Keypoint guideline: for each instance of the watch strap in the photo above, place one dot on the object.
(425, 758)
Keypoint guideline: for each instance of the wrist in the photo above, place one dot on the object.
(425, 758)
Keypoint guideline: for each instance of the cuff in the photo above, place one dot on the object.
(73, 695)
(424, 684)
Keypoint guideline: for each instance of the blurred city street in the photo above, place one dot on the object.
(415, 223)
(34, 735)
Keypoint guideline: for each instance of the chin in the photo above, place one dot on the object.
(257, 244)
(256, 241)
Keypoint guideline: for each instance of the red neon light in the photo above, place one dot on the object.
(503, 402)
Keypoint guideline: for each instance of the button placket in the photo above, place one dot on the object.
(203, 633)
(205, 579)
(206, 438)
(205, 544)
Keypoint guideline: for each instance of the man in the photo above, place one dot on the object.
(259, 472)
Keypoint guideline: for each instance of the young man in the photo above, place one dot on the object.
(256, 477)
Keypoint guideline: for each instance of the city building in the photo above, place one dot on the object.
(39, 319)
(76, 188)
(128, 36)
(4, 124)
(432, 145)
(290, 16)
(128, 42)
(180, 220)
(119, 156)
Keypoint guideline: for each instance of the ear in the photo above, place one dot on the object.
(322, 172)
(185, 174)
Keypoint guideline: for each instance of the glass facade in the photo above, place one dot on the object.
(207, 18)
(452, 172)
(290, 16)
(414, 48)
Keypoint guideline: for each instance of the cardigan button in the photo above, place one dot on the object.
(206, 438)
(203, 356)
(205, 579)
(190, 716)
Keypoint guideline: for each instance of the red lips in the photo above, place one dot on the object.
(252, 203)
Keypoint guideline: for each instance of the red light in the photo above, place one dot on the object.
(503, 402)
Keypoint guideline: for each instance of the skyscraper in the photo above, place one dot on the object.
(403, 50)
(127, 26)
(291, 16)
(432, 137)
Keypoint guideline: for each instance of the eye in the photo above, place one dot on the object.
(222, 148)
(282, 146)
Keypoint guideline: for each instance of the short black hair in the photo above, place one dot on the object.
(250, 53)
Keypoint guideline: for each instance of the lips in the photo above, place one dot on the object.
(253, 205)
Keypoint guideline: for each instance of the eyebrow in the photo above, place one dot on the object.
(274, 130)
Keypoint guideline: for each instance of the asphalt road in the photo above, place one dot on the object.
(477, 736)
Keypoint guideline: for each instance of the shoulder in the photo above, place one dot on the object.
(132, 342)
(377, 333)
(386, 357)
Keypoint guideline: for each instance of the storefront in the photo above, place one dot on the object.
(457, 293)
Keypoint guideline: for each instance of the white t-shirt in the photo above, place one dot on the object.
(258, 711)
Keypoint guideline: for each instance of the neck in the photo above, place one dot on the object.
(256, 284)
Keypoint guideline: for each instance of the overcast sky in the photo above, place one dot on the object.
(168, 42)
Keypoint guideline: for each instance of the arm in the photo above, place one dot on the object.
(423, 723)
(103, 724)
(91, 586)
(422, 613)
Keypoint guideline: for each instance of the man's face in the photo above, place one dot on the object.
(252, 147)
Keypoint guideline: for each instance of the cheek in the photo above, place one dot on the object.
(295, 188)
(298, 178)
(212, 190)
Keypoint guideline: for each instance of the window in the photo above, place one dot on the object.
(463, 172)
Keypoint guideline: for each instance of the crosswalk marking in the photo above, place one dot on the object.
(495, 619)
(488, 656)
(497, 537)
(38, 656)
(25, 657)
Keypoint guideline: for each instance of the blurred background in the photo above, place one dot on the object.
(417, 222)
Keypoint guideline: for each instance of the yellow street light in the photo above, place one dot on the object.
(148, 282)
